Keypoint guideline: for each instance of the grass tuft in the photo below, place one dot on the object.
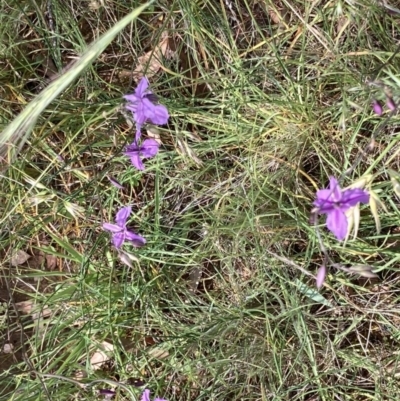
(267, 100)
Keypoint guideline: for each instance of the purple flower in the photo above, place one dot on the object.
(146, 396)
(120, 233)
(377, 107)
(142, 105)
(146, 150)
(334, 202)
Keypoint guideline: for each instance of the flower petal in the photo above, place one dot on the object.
(145, 395)
(321, 274)
(377, 107)
(323, 203)
(390, 104)
(132, 148)
(160, 115)
(122, 216)
(337, 224)
(149, 148)
(111, 227)
(118, 239)
(323, 194)
(131, 107)
(133, 98)
(137, 162)
(136, 239)
(142, 87)
(148, 109)
(351, 197)
(335, 189)
(140, 115)
(133, 151)
(151, 96)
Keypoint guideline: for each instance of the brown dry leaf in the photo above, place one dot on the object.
(100, 356)
(19, 257)
(37, 260)
(280, 17)
(341, 24)
(159, 353)
(41, 313)
(51, 262)
(275, 17)
(154, 133)
(24, 307)
(30, 308)
(151, 62)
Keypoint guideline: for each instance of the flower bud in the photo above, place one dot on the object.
(390, 103)
(377, 107)
(321, 273)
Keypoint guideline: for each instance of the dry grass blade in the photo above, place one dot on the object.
(374, 210)
(353, 219)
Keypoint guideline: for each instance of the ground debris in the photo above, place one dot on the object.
(151, 62)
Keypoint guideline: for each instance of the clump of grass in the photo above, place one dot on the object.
(262, 112)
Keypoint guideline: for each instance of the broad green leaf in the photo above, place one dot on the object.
(312, 293)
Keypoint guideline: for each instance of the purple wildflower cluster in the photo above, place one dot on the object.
(341, 206)
(334, 202)
(143, 104)
(145, 109)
